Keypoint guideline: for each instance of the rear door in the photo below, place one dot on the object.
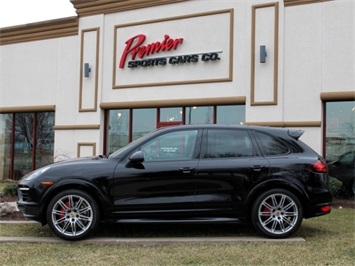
(229, 166)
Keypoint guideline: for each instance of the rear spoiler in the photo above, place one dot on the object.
(295, 133)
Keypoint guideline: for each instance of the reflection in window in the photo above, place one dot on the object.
(44, 139)
(270, 145)
(231, 114)
(173, 114)
(340, 129)
(228, 143)
(118, 131)
(199, 115)
(171, 146)
(144, 121)
(5, 145)
(26, 142)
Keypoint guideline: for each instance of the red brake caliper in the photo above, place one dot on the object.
(62, 210)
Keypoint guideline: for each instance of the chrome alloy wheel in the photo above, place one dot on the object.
(72, 215)
(278, 214)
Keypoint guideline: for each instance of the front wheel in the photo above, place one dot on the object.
(277, 213)
(73, 215)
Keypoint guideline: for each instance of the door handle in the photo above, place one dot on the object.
(256, 168)
(186, 170)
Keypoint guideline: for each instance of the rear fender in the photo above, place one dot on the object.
(272, 184)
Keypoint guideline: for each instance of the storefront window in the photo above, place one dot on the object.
(340, 129)
(143, 121)
(126, 125)
(44, 139)
(26, 142)
(23, 148)
(5, 145)
(231, 114)
(118, 133)
(170, 114)
(199, 115)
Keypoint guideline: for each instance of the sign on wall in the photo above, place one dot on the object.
(180, 50)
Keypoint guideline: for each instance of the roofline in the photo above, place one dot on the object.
(55, 28)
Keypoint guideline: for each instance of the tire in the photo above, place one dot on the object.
(73, 215)
(277, 213)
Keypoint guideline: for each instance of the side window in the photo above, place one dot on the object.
(271, 146)
(171, 146)
(228, 143)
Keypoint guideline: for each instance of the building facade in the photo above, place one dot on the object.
(90, 84)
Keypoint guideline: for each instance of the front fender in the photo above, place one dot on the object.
(95, 191)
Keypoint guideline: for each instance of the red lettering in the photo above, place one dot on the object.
(135, 48)
(140, 39)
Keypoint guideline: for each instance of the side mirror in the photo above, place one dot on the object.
(137, 157)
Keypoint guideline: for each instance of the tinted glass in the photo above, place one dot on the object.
(171, 146)
(228, 143)
(270, 145)
(118, 130)
(5, 145)
(23, 147)
(340, 129)
(173, 114)
(144, 121)
(231, 114)
(199, 115)
(44, 138)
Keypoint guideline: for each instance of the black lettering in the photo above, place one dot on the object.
(214, 57)
(162, 61)
(172, 60)
(205, 57)
(194, 58)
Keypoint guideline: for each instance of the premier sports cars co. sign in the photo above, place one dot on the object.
(136, 52)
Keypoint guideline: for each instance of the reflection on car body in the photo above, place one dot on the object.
(195, 173)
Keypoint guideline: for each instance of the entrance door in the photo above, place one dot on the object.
(170, 116)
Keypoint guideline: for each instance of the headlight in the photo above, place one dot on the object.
(35, 173)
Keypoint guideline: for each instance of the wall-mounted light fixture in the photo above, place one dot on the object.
(263, 54)
(87, 70)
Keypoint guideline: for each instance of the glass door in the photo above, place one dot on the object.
(170, 116)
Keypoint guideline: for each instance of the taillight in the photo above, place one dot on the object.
(320, 167)
(326, 209)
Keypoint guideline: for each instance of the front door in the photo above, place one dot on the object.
(164, 182)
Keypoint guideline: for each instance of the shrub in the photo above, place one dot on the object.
(335, 186)
(10, 189)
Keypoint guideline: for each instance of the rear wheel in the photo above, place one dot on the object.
(73, 215)
(277, 213)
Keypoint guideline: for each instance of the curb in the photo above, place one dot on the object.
(148, 241)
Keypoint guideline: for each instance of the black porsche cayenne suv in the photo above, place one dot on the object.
(194, 173)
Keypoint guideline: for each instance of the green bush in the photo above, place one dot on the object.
(335, 186)
(10, 189)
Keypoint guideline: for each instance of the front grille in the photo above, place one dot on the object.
(23, 193)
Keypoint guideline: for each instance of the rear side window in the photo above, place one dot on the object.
(271, 145)
(228, 143)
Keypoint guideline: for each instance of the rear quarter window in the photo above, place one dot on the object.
(270, 145)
